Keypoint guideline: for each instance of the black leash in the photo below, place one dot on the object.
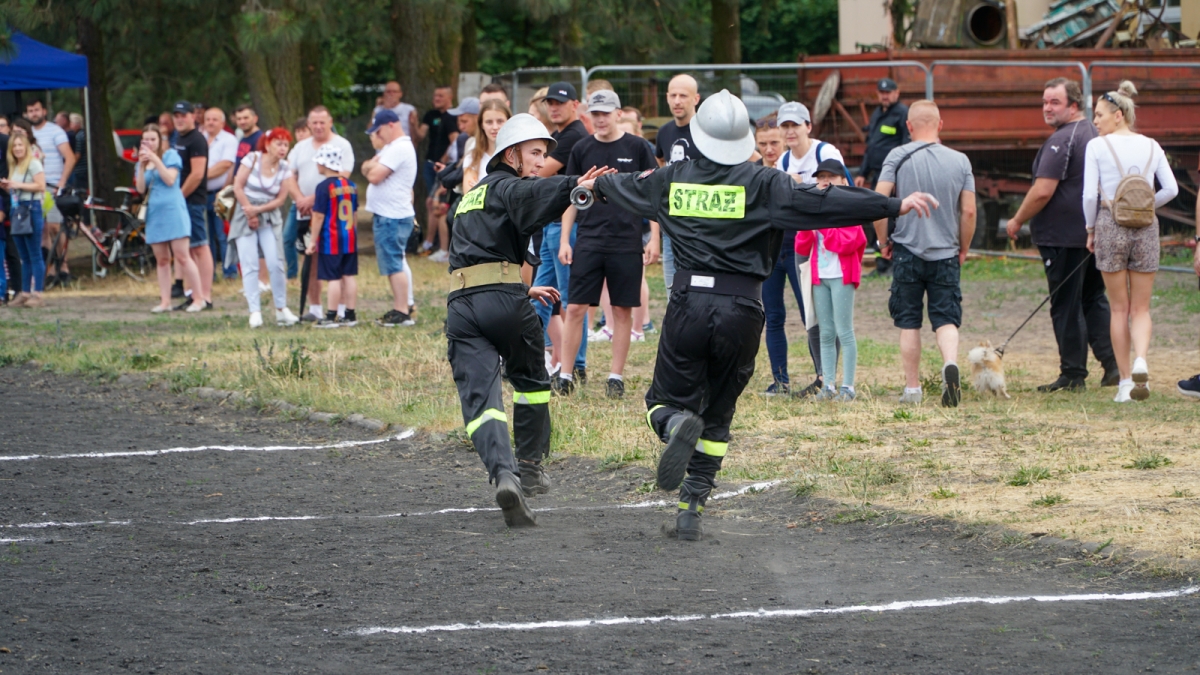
(1000, 349)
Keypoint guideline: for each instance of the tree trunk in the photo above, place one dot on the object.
(284, 65)
(727, 41)
(469, 59)
(262, 92)
(107, 170)
(310, 72)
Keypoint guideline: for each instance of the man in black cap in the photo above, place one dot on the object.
(562, 101)
(885, 132)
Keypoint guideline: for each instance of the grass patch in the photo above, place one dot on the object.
(619, 460)
(1050, 500)
(805, 488)
(294, 363)
(1149, 460)
(1181, 494)
(943, 493)
(1028, 475)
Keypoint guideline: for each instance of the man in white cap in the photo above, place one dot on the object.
(489, 319)
(725, 216)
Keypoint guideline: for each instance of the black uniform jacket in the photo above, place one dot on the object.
(886, 132)
(730, 219)
(494, 221)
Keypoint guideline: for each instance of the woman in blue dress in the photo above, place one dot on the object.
(167, 221)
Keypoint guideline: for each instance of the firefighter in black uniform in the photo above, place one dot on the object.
(489, 320)
(726, 218)
(886, 131)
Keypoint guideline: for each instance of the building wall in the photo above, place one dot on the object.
(1189, 11)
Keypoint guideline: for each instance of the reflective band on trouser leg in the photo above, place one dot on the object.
(712, 448)
(685, 506)
(650, 412)
(489, 414)
(531, 397)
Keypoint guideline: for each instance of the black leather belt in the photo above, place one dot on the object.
(717, 283)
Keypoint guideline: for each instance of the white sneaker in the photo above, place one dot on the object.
(911, 398)
(263, 287)
(1123, 391)
(602, 335)
(635, 336)
(256, 319)
(440, 256)
(195, 307)
(1141, 379)
(284, 317)
(159, 309)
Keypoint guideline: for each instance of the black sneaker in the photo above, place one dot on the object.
(561, 386)
(1064, 383)
(777, 388)
(1112, 377)
(187, 302)
(395, 318)
(208, 306)
(177, 290)
(951, 393)
(812, 389)
(533, 478)
(330, 321)
(580, 376)
(65, 278)
(1190, 387)
(615, 388)
(349, 320)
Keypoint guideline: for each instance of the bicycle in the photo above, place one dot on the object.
(123, 247)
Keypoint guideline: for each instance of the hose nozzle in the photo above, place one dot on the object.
(582, 198)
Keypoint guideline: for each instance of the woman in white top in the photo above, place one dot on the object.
(1128, 258)
(492, 115)
(258, 187)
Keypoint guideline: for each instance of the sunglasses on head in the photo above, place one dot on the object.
(1109, 97)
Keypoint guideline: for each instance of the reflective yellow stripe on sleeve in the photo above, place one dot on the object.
(712, 448)
(885, 129)
(531, 397)
(489, 414)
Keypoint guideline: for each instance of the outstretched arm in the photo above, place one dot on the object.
(637, 193)
(807, 207)
(534, 203)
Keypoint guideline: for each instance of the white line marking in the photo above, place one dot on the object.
(13, 541)
(775, 613)
(408, 433)
(757, 487)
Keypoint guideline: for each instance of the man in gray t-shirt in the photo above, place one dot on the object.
(927, 253)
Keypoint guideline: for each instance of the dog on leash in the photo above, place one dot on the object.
(987, 369)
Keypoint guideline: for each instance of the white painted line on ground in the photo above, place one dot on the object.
(775, 613)
(13, 541)
(408, 433)
(756, 487)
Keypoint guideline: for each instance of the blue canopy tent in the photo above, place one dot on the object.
(32, 65)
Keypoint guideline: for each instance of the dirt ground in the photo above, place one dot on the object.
(155, 591)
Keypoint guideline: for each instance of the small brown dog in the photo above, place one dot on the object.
(987, 369)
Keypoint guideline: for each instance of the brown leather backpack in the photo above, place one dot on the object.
(1133, 204)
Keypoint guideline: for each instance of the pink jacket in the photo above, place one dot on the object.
(848, 243)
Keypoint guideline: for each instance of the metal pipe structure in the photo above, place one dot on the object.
(516, 76)
(771, 66)
(1024, 256)
(87, 129)
(1086, 76)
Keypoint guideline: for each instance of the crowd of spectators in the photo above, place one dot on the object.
(292, 195)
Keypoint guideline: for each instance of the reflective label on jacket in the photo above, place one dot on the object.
(708, 201)
(885, 129)
(472, 201)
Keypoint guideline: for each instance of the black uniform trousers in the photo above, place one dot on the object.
(1079, 310)
(482, 328)
(705, 359)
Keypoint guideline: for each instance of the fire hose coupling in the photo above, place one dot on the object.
(582, 198)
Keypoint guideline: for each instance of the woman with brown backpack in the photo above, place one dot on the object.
(1118, 203)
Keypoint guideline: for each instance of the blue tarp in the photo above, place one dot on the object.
(34, 65)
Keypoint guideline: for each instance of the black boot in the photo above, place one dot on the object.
(511, 500)
(683, 429)
(1112, 377)
(692, 496)
(534, 480)
(1063, 383)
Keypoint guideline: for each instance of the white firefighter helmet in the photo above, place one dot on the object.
(518, 129)
(722, 130)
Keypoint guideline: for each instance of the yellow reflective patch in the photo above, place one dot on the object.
(885, 129)
(531, 397)
(713, 448)
(685, 505)
(472, 201)
(651, 412)
(489, 414)
(708, 201)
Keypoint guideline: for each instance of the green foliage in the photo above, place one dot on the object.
(943, 493)
(1149, 460)
(195, 375)
(1050, 500)
(778, 32)
(1028, 475)
(295, 364)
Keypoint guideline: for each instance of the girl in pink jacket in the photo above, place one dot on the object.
(836, 255)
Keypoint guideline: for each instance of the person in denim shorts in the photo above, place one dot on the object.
(391, 174)
(927, 254)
